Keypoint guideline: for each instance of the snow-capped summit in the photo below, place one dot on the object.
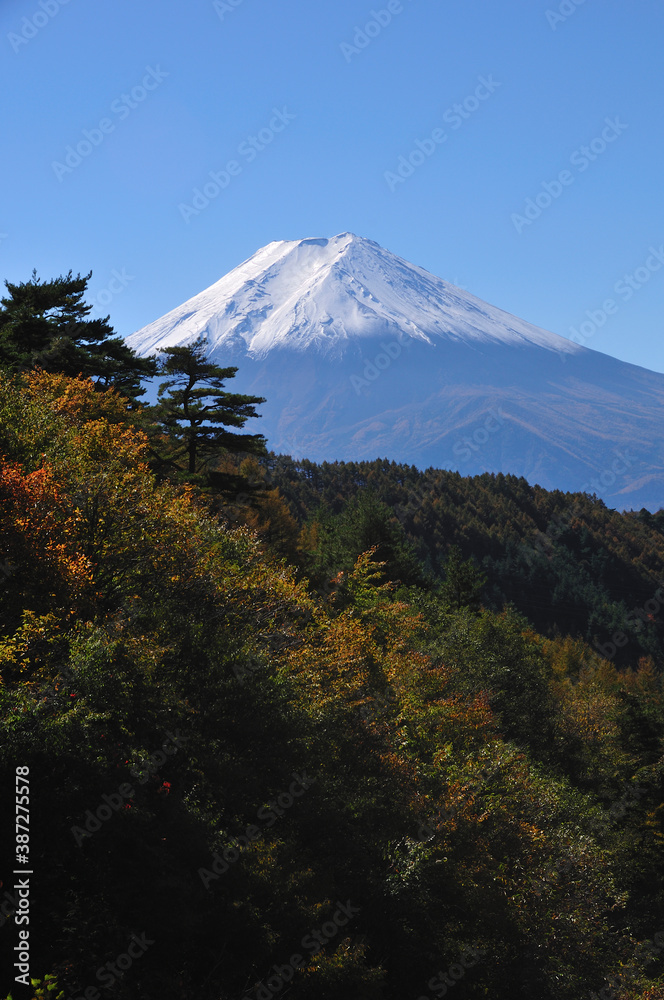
(323, 293)
(361, 355)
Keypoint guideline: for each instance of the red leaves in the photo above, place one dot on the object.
(38, 529)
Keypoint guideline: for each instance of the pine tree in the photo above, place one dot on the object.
(44, 324)
(366, 523)
(195, 409)
(464, 582)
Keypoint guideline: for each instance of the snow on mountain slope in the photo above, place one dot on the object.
(361, 355)
(324, 293)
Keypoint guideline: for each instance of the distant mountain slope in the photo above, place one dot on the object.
(361, 354)
(568, 563)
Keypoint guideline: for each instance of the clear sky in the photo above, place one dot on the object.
(305, 122)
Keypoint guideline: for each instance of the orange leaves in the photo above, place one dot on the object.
(68, 422)
(39, 528)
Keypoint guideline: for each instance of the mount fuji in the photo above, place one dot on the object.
(362, 355)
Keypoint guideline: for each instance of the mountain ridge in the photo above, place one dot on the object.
(361, 354)
(290, 285)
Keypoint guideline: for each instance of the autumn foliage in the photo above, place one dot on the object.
(470, 785)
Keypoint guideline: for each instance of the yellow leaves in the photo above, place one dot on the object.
(655, 824)
(75, 398)
(32, 642)
(99, 440)
(588, 716)
(309, 538)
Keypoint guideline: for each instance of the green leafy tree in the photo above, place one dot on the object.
(45, 324)
(196, 411)
(471, 793)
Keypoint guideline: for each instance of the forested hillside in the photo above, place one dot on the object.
(566, 561)
(251, 779)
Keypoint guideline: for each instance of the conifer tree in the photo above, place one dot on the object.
(196, 410)
(366, 523)
(464, 582)
(45, 324)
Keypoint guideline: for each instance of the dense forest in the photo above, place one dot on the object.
(317, 731)
(566, 561)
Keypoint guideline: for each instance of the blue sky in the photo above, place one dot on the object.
(169, 92)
